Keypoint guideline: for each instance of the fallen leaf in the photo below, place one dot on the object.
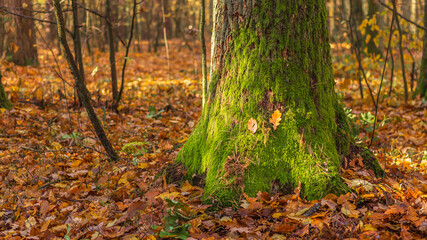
(276, 118)
(252, 125)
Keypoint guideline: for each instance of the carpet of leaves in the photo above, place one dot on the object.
(56, 183)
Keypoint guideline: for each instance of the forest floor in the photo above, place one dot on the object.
(56, 183)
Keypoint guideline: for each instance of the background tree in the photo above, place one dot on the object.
(272, 120)
(24, 51)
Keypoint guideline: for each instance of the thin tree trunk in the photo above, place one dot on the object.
(81, 87)
(111, 43)
(126, 55)
(202, 45)
(77, 40)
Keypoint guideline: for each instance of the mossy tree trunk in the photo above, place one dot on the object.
(4, 101)
(422, 80)
(268, 56)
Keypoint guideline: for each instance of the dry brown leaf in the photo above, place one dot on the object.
(252, 125)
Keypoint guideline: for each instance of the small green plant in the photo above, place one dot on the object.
(175, 223)
(135, 148)
(365, 122)
(67, 237)
(153, 113)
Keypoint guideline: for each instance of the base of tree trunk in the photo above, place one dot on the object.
(237, 161)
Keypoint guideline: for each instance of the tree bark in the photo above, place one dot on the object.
(422, 80)
(269, 56)
(25, 50)
(84, 94)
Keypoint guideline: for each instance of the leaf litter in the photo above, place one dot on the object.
(56, 183)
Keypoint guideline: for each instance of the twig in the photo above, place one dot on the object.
(49, 183)
(359, 60)
(126, 55)
(382, 78)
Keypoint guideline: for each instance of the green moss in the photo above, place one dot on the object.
(274, 64)
(371, 162)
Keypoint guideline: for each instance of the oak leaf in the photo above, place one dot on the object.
(275, 119)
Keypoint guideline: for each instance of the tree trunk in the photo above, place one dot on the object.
(269, 56)
(4, 101)
(422, 80)
(25, 52)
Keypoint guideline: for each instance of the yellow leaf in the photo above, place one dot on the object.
(276, 118)
(76, 163)
(369, 227)
(56, 146)
(170, 195)
(31, 221)
(142, 165)
(128, 176)
(277, 215)
(94, 71)
(252, 125)
(368, 38)
(60, 185)
(369, 195)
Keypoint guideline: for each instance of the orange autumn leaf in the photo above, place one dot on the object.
(276, 118)
(252, 125)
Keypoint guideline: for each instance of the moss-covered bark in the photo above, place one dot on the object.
(4, 101)
(269, 55)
